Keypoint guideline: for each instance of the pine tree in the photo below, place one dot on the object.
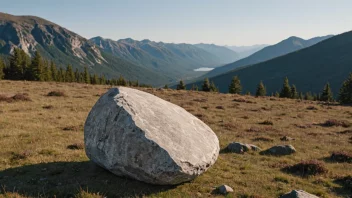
(166, 86)
(308, 96)
(235, 86)
(102, 79)
(294, 93)
(301, 96)
(77, 76)
(261, 91)
(36, 69)
(327, 94)
(286, 89)
(86, 75)
(277, 94)
(181, 86)
(94, 79)
(213, 88)
(121, 81)
(53, 71)
(206, 85)
(2, 68)
(70, 76)
(61, 75)
(345, 95)
(15, 70)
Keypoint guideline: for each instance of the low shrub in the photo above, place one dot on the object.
(56, 93)
(266, 122)
(15, 98)
(341, 156)
(307, 168)
(334, 122)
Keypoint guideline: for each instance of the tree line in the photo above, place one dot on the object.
(21, 67)
(287, 90)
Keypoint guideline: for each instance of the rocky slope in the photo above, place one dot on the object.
(172, 60)
(64, 47)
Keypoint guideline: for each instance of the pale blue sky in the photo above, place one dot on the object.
(223, 22)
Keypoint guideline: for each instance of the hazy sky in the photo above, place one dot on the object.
(224, 22)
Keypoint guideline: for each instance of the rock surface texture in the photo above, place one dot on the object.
(298, 194)
(280, 150)
(135, 134)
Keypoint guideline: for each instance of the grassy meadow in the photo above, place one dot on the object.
(42, 152)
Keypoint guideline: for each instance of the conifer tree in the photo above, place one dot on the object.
(2, 68)
(36, 70)
(181, 85)
(206, 85)
(102, 79)
(235, 86)
(327, 94)
(213, 88)
(261, 91)
(86, 75)
(286, 89)
(277, 94)
(121, 81)
(15, 70)
(77, 76)
(345, 95)
(166, 86)
(61, 75)
(301, 96)
(308, 96)
(69, 75)
(94, 79)
(53, 71)
(294, 93)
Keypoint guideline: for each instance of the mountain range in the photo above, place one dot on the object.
(172, 60)
(309, 69)
(286, 46)
(245, 51)
(64, 47)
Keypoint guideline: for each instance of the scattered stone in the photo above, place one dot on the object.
(280, 150)
(136, 134)
(224, 189)
(287, 138)
(237, 147)
(298, 194)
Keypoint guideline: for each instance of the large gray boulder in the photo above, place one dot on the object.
(298, 194)
(135, 134)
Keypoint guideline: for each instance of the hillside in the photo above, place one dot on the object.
(309, 69)
(224, 54)
(245, 51)
(64, 47)
(42, 152)
(173, 60)
(284, 47)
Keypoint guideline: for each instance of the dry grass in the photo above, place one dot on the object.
(56, 93)
(35, 160)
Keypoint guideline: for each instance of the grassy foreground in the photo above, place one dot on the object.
(42, 152)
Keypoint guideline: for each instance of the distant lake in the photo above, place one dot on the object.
(204, 69)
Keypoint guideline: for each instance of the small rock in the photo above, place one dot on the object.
(280, 150)
(237, 147)
(224, 189)
(287, 138)
(199, 194)
(254, 147)
(298, 194)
